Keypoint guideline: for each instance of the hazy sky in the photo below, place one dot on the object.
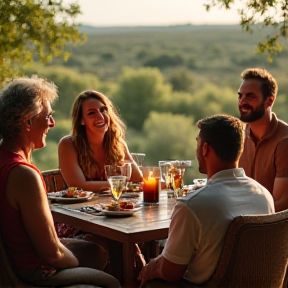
(152, 12)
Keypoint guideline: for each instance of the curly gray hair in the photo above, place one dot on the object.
(21, 99)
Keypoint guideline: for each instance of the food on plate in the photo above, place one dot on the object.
(126, 205)
(112, 206)
(120, 205)
(74, 192)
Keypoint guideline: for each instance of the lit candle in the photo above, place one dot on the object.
(151, 189)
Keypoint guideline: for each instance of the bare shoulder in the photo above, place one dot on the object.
(66, 140)
(24, 178)
(66, 144)
(23, 171)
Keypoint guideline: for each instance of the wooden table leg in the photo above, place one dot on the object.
(128, 265)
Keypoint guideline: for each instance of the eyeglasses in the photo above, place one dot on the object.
(49, 117)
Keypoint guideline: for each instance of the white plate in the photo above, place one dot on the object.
(130, 195)
(121, 213)
(57, 196)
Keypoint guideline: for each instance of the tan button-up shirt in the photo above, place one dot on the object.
(269, 158)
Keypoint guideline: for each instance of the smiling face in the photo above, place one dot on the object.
(95, 116)
(251, 103)
(40, 125)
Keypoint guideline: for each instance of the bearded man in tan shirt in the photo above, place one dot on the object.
(266, 142)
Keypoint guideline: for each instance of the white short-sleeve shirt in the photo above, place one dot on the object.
(200, 220)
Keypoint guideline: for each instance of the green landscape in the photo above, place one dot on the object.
(162, 81)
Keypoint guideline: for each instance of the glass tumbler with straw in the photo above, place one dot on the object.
(117, 180)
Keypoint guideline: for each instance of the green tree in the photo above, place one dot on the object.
(181, 80)
(268, 13)
(205, 101)
(47, 158)
(140, 91)
(171, 136)
(35, 29)
(69, 82)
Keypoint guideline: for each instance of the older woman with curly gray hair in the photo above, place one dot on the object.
(25, 119)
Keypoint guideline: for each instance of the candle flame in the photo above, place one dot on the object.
(150, 175)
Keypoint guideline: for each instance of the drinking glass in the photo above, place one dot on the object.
(127, 171)
(165, 170)
(138, 158)
(116, 176)
(177, 175)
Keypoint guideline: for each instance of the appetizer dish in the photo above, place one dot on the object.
(121, 205)
(74, 192)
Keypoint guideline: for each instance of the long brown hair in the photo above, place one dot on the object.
(114, 138)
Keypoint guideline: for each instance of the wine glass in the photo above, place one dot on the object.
(117, 179)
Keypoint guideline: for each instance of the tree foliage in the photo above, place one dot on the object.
(140, 91)
(207, 101)
(35, 29)
(268, 13)
(69, 82)
(170, 136)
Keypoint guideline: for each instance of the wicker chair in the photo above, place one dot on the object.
(255, 253)
(54, 180)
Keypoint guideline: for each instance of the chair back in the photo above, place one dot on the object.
(255, 253)
(54, 180)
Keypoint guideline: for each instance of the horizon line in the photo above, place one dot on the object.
(155, 25)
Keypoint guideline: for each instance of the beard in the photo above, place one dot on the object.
(201, 162)
(254, 115)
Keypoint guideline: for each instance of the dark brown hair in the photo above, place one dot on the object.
(225, 134)
(269, 85)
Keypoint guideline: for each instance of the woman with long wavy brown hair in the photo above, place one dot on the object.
(98, 138)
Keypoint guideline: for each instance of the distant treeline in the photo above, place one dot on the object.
(162, 80)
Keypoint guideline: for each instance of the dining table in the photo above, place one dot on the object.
(148, 223)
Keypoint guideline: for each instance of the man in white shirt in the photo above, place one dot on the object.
(200, 220)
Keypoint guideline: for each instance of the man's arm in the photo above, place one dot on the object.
(182, 241)
(280, 194)
(162, 268)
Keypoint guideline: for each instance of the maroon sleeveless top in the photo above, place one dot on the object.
(18, 245)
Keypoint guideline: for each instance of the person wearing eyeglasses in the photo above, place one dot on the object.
(37, 255)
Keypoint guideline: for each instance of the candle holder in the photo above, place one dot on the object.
(151, 180)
